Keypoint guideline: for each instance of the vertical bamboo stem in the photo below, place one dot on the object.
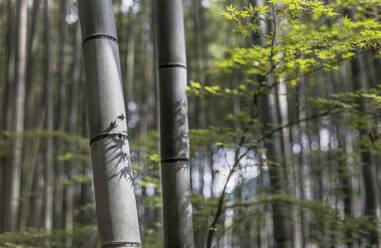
(114, 193)
(174, 145)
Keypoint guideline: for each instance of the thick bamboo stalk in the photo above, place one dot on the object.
(290, 164)
(72, 119)
(49, 169)
(372, 197)
(114, 193)
(5, 108)
(174, 144)
(275, 155)
(15, 166)
(62, 102)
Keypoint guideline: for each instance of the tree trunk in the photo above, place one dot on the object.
(174, 133)
(275, 156)
(6, 108)
(10, 66)
(15, 165)
(290, 167)
(304, 175)
(130, 57)
(31, 65)
(73, 117)
(117, 216)
(49, 166)
(368, 167)
(58, 186)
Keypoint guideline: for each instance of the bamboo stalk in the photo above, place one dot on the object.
(14, 168)
(49, 167)
(114, 193)
(174, 133)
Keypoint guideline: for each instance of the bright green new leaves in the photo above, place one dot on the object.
(363, 8)
(301, 37)
(233, 14)
(305, 36)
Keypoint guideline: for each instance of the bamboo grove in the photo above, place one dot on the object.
(250, 123)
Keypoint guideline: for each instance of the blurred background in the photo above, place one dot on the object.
(318, 136)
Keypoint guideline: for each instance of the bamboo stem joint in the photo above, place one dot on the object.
(98, 36)
(120, 135)
(125, 244)
(172, 64)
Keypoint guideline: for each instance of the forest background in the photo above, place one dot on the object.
(284, 111)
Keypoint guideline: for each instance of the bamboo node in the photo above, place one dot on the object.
(172, 64)
(98, 36)
(121, 244)
(120, 135)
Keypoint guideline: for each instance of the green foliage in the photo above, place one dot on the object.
(305, 37)
(36, 238)
(349, 103)
(37, 136)
(147, 170)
